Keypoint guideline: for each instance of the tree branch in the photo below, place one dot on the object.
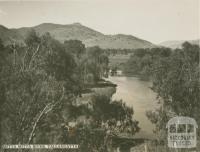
(49, 107)
(33, 56)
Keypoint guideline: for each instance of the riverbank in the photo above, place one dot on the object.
(103, 87)
(136, 93)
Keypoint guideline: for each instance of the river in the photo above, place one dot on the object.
(137, 94)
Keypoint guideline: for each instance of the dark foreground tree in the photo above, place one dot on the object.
(35, 80)
(103, 120)
(40, 83)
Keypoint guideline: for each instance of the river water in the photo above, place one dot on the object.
(137, 94)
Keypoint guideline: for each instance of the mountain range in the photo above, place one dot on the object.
(76, 31)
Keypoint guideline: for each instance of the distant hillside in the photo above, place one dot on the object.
(9, 36)
(177, 44)
(77, 31)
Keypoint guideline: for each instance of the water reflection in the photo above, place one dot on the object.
(137, 94)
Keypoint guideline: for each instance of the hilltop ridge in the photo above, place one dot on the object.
(77, 31)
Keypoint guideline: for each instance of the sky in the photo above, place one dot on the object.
(152, 20)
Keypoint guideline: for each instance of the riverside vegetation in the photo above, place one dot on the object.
(40, 83)
(175, 76)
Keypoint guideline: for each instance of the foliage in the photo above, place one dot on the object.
(97, 63)
(175, 77)
(104, 119)
(40, 83)
(142, 61)
(29, 90)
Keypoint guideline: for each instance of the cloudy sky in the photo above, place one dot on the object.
(152, 20)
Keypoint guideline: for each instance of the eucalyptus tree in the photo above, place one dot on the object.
(176, 82)
(97, 62)
(38, 78)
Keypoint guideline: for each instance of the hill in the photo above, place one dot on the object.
(177, 44)
(9, 36)
(77, 31)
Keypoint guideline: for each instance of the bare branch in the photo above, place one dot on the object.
(23, 61)
(36, 122)
(49, 107)
(33, 56)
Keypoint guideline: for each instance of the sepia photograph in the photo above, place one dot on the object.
(99, 75)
